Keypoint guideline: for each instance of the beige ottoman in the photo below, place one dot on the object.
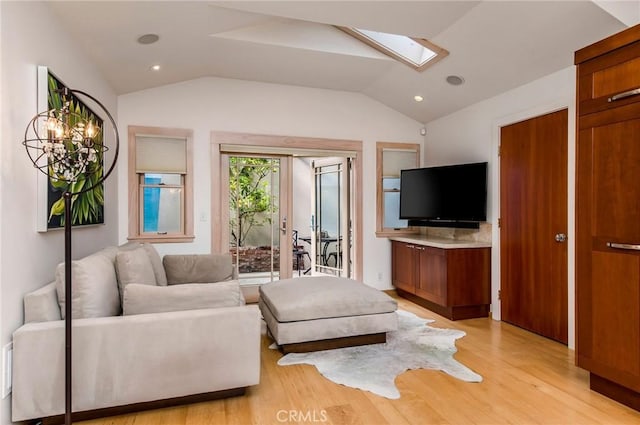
(321, 313)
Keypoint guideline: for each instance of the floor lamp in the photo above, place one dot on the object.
(66, 143)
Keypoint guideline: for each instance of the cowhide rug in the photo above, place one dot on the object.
(374, 367)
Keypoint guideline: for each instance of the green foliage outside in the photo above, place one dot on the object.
(249, 195)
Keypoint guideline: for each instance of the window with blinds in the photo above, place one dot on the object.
(391, 158)
(160, 184)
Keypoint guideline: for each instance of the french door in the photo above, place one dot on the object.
(257, 198)
(331, 220)
(226, 144)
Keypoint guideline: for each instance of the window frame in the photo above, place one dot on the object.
(382, 231)
(440, 53)
(136, 182)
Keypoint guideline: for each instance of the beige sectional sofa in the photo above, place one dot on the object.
(192, 337)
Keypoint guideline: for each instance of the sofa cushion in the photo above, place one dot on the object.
(320, 297)
(156, 263)
(198, 268)
(94, 286)
(41, 305)
(134, 266)
(142, 299)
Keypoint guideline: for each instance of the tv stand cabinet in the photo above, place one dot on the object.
(449, 277)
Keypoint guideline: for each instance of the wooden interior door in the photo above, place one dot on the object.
(533, 224)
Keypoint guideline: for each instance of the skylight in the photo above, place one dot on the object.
(418, 53)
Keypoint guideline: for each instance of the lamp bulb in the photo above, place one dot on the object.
(59, 129)
(51, 123)
(90, 130)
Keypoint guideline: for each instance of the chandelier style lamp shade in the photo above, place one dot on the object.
(69, 147)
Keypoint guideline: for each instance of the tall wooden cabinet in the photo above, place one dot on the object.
(608, 215)
(453, 281)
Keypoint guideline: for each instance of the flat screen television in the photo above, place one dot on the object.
(445, 195)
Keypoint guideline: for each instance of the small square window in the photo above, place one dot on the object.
(160, 185)
(391, 159)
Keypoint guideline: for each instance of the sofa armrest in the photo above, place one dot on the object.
(132, 359)
(42, 305)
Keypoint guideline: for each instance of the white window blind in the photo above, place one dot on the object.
(395, 160)
(161, 154)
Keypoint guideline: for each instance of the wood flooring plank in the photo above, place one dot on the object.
(527, 379)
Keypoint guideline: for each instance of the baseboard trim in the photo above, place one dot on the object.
(147, 405)
(452, 312)
(614, 391)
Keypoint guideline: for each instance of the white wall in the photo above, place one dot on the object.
(472, 134)
(208, 104)
(626, 11)
(4, 404)
(30, 37)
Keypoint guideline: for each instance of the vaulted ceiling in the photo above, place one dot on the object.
(493, 45)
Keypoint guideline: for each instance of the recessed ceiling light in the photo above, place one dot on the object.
(148, 38)
(155, 67)
(418, 98)
(455, 80)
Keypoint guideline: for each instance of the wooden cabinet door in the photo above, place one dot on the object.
(403, 267)
(608, 216)
(469, 276)
(610, 80)
(432, 274)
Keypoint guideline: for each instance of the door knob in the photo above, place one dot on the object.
(561, 237)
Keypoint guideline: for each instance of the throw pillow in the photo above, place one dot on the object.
(134, 266)
(142, 299)
(198, 268)
(156, 263)
(94, 287)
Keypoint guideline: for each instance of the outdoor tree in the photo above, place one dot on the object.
(249, 195)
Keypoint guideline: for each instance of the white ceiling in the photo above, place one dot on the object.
(494, 45)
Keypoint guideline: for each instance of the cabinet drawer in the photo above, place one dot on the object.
(610, 80)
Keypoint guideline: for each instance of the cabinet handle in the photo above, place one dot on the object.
(627, 246)
(410, 246)
(624, 95)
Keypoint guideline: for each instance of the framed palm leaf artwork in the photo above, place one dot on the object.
(87, 208)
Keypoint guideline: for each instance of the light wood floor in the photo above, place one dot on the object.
(527, 380)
